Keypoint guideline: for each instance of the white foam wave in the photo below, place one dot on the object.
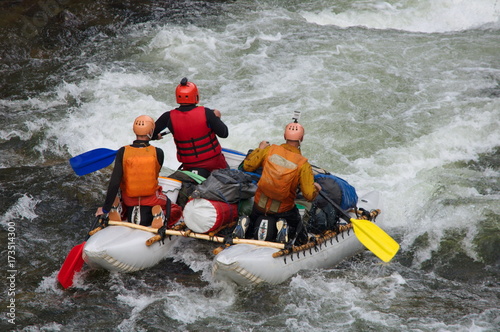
(184, 304)
(464, 138)
(50, 285)
(23, 208)
(105, 106)
(416, 16)
(21, 112)
(425, 193)
(318, 297)
(103, 118)
(138, 302)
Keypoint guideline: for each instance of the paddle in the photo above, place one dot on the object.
(73, 263)
(94, 160)
(369, 234)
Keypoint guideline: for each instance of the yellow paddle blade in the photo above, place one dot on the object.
(375, 239)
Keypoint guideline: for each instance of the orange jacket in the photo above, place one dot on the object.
(284, 169)
(140, 171)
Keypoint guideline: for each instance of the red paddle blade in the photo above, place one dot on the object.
(72, 264)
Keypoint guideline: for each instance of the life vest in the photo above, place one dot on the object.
(140, 171)
(194, 140)
(277, 187)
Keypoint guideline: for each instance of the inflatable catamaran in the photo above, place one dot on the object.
(128, 247)
(246, 264)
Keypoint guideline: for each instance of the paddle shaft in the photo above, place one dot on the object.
(93, 226)
(345, 216)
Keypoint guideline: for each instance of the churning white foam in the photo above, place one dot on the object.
(104, 117)
(416, 16)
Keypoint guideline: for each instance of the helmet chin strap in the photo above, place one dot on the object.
(294, 143)
(150, 135)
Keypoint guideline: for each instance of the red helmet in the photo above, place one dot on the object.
(144, 125)
(294, 132)
(186, 92)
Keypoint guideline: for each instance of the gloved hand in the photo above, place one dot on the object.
(104, 220)
(162, 232)
(264, 144)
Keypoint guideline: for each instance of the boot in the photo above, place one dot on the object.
(116, 210)
(241, 229)
(158, 217)
(282, 228)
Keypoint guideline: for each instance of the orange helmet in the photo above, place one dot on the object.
(144, 125)
(294, 132)
(186, 92)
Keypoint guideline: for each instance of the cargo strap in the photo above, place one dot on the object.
(162, 229)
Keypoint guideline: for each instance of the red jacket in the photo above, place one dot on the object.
(195, 141)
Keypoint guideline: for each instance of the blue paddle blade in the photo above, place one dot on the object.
(92, 161)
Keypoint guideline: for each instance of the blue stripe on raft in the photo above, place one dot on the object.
(233, 152)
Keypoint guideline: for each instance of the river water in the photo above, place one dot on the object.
(400, 96)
